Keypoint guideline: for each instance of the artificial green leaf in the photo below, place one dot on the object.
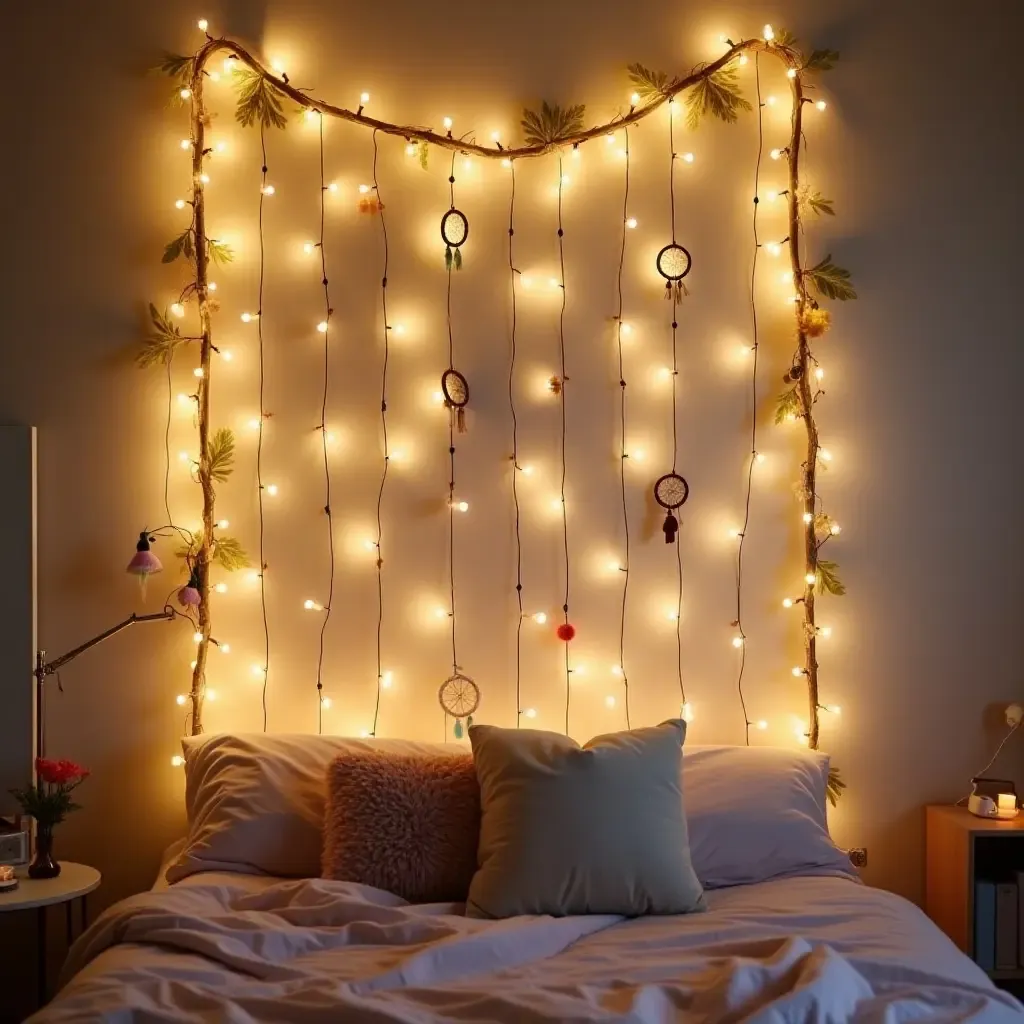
(229, 554)
(718, 95)
(821, 60)
(220, 252)
(831, 281)
(648, 84)
(163, 339)
(828, 578)
(787, 405)
(834, 787)
(784, 38)
(259, 100)
(812, 199)
(220, 454)
(422, 150)
(179, 246)
(178, 67)
(552, 124)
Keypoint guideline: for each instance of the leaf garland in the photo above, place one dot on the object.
(220, 454)
(811, 199)
(422, 149)
(226, 552)
(823, 524)
(828, 576)
(259, 100)
(821, 60)
(718, 95)
(181, 245)
(787, 405)
(162, 341)
(177, 67)
(830, 280)
(649, 85)
(219, 252)
(834, 787)
(551, 124)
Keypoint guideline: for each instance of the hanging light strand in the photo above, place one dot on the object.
(384, 436)
(755, 347)
(259, 435)
(561, 357)
(452, 414)
(323, 438)
(622, 437)
(513, 273)
(675, 402)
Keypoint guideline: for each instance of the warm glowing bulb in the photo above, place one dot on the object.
(835, 529)
(616, 670)
(769, 33)
(609, 701)
(246, 318)
(221, 588)
(386, 679)
(225, 648)
(528, 470)
(737, 642)
(774, 249)
(553, 282)
(556, 503)
(363, 189)
(186, 143)
(184, 456)
(495, 136)
(467, 164)
(369, 544)
(322, 327)
(203, 24)
(735, 532)
(192, 665)
(185, 93)
(771, 101)
(787, 602)
(258, 670)
(399, 329)
(824, 454)
(177, 309)
(177, 761)
(268, 190)
(326, 702)
(631, 222)
(580, 670)
(204, 179)
(179, 204)
(686, 711)
(440, 613)
(743, 59)
(635, 98)
(791, 73)
(447, 122)
(277, 65)
(506, 163)
(230, 63)
(760, 457)
(540, 618)
(463, 506)
(564, 179)
(808, 517)
(771, 196)
(530, 712)
(821, 104)
(410, 149)
(197, 637)
(810, 579)
(310, 605)
(610, 138)
(638, 454)
(688, 157)
(672, 615)
(627, 328)
(665, 373)
(211, 286)
(211, 694)
(272, 489)
(775, 154)
(199, 372)
(184, 399)
(180, 699)
(221, 146)
(364, 97)
(762, 725)
(835, 709)
(786, 276)
(797, 671)
(333, 187)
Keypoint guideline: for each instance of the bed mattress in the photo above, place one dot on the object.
(252, 949)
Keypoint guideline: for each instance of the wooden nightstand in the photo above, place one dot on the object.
(960, 848)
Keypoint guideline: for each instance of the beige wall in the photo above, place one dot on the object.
(918, 151)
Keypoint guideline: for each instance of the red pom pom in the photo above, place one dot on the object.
(566, 631)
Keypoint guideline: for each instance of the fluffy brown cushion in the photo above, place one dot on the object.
(407, 824)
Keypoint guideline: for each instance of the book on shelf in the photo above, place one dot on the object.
(985, 924)
(1007, 901)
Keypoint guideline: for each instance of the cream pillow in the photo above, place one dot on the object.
(594, 830)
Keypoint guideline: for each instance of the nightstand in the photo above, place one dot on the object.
(74, 882)
(960, 849)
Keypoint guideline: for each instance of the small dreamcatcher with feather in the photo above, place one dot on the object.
(454, 232)
(671, 492)
(455, 389)
(674, 264)
(459, 697)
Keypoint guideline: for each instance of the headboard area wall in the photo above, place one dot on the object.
(294, 459)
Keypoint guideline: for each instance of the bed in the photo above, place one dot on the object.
(813, 945)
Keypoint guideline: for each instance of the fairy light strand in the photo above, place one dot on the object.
(622, 438)
(328, 312)
(675, 403)
(561, 358)
(755, 346)
(452, 413)
(259, 435)
(513, 273)
(384, 436)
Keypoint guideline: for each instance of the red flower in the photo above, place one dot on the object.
(60, 773)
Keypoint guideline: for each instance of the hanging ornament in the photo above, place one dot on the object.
(670, 492)
(673, 265)
(455, 388)
(459, 696)
(555, 385)
(565, 632)
(188, 596)
(144, 563)
(454, 231)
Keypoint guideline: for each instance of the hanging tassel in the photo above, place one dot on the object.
(457, 728)
(668, 290)
(458, 258)
(448, 257)
(460, 419)
(670, 526)
(680, 291)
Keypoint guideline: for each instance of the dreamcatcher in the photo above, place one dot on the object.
(455, 389)
(671, 492)
(673, 265)
(454, 231)
(459, 696)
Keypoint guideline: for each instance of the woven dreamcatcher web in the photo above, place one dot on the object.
(671, 492)
(459, 696)
(454, 232)
(674, 264)
(455, 389)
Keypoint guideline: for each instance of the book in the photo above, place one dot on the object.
(985, 925)
(1007, 900)
(1020, 919)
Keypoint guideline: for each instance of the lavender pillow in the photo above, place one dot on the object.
(407, 824)
(756, 813)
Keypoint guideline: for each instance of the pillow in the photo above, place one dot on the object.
(255, 803)
(597, 830)
(757, 813)
(403, 823)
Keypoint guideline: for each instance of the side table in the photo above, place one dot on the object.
(74, 882)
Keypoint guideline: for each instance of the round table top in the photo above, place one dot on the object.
(74, 880)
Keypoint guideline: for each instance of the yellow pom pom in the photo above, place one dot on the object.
(815, 322)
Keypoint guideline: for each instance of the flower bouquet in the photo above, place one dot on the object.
(49, 802)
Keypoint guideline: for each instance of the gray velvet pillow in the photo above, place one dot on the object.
(594, 830)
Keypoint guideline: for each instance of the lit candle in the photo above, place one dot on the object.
(1007, 804)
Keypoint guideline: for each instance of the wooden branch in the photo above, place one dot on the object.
(448, 141)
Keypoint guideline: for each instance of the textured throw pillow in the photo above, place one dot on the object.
(406, 824)
(756, 813)
(255, 803)
(592, 830)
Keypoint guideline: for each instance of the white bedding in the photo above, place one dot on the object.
(250, 949)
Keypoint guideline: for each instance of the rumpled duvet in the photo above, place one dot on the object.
(226, 948)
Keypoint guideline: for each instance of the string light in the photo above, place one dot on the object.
(540, 618)
(631, 222)
(177, 761)
(221, 588)
(810, 579)
(769, 33)
(203, 24)
(180, 700)
(821, 104)
(364, 97)
(787, 602)
(530, 712)
(762, 725)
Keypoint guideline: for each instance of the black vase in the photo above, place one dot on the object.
(44, 866)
